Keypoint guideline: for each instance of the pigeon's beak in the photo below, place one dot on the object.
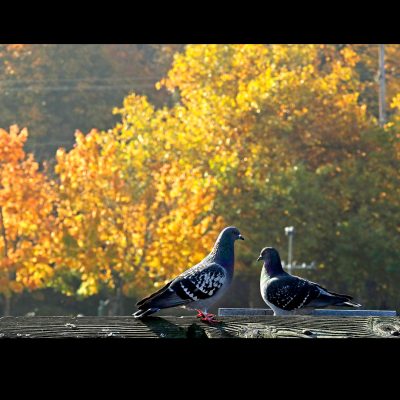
(259, 258)
(241, 237)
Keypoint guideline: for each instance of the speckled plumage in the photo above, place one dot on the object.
(200, 286)
(285, 293)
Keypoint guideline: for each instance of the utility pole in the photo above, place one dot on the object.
(289, 231)
(382, 104)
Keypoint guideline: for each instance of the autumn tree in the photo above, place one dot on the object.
(271, 135)
(55, 89)
(284, 132)
(26, 219)
(258, 136)
(367, 69)
(128, 217)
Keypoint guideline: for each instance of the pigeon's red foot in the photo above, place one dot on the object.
(200, 314)
(210, 319)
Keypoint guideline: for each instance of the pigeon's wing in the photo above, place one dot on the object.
(200, 283)
(290, 293)
(197, 283)
(324, 290)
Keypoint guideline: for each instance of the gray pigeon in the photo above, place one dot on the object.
(285, 293)
(200, 286)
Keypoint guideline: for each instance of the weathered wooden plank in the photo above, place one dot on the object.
(236, 312)
(266, 326)
(312, 327)
(355, 313)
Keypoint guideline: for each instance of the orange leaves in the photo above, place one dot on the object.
(180, 229)
(11, 145)
(350, 56)
(126, 212)
(254, 135)
(26, 201)
(136, 205)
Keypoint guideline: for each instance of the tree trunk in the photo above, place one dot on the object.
(120, 301)
(7, 306)
(111, 306)
(116, 305)
(3, 232)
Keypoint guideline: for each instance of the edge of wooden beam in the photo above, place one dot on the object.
(236, 312)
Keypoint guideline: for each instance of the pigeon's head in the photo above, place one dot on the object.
(230, 234)
(270, 255)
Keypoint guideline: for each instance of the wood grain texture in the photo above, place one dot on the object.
(189, 327)
(236, 312)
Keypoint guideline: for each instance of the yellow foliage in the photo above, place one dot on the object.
(140, 203)
(26, 220)
(126, 212)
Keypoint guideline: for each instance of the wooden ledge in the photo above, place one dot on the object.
(326, 312)
(190, 327)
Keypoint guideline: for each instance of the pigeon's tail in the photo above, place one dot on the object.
(163, 298)
(343, 300)
(328, 298)
(145, 312)
(349, 303)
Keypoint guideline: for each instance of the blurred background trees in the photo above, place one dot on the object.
(55, 89)
(257, 136)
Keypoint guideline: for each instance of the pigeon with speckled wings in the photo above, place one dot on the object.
(200, 286)
(285, 293)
